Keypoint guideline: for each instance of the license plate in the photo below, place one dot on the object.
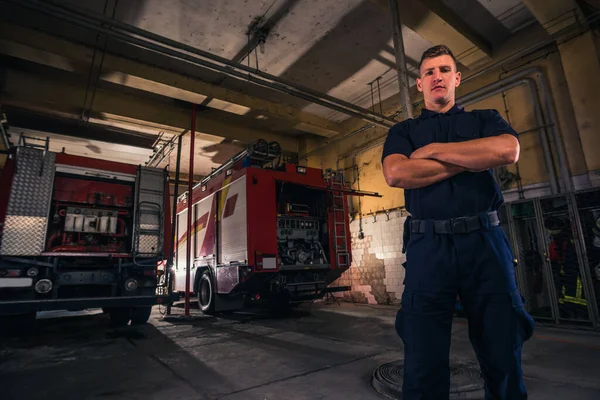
(15, 282)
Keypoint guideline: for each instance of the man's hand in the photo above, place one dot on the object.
(474, 155)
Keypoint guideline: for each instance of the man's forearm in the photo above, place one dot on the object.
(478, 154)
(414, 174)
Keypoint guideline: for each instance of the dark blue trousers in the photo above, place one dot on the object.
(478, 266)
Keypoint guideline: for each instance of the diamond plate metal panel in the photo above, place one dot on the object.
(227, 278)
(149, 243)
(23, 236)
(30, 193)
(26, 221)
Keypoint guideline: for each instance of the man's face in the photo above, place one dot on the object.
(438, 79)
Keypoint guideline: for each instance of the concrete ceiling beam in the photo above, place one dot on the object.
(451, 17)
(594, 3)
(60, 53)
(27, 88)
(37, 120)
(183, 179)
(467, 46)
(555, 15)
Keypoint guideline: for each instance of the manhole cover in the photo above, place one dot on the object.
(465, 381)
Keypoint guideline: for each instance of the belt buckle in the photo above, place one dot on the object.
(458, 225)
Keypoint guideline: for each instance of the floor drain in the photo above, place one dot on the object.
(465, 381)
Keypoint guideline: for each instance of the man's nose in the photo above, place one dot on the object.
(437, 76)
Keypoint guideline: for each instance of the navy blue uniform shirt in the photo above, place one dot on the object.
(463, 194)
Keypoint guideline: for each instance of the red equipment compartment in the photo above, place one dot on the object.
(77, 190)
(90, 216)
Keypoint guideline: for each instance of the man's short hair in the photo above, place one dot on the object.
(436, 51)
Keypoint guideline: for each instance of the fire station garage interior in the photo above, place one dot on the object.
(194, 204)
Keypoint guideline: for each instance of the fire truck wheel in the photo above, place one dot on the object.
(140, 315)
(206, 294)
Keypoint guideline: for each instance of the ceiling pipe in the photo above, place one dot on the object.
(543, 102)
(539, 120)
(3, 133)
(547, 106)
(318, 98)
(564, 34)
(100, 23)
(407, 110)
(381, 139)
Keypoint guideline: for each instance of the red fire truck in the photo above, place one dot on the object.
(262, 231)
(80, 233)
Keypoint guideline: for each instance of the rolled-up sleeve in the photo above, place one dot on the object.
(397, 142)
(493, 124)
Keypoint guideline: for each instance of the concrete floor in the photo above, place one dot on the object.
(327, 352)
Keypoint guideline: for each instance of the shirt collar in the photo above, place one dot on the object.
(425, 113)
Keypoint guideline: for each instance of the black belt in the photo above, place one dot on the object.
(455, 225)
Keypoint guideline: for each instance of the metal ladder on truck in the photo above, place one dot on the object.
(340, 239)
(149, 215)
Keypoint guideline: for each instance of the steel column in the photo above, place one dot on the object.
(563, 163)
(169, 266)
(175, 196)
(407, 111)
(188, 247)
(553, 296)
(582, 259)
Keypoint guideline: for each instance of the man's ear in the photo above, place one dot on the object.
(458, 77)
(419, 84)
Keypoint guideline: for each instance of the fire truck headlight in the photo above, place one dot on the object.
(301, 170)
(131, 284)
(32, 272)
(43, 286)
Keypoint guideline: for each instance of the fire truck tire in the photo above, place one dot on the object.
(206, 294)
(140, 315)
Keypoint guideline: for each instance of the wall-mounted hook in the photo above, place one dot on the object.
(374, 215)
(387, 214)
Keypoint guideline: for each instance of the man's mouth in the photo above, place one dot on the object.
(437, 87)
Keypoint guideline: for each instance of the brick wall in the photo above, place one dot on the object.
(376, 273)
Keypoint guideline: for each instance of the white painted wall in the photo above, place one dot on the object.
(376, 274)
